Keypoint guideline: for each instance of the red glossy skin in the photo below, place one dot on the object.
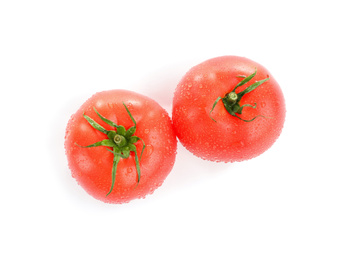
(92, 167)
(228, 139)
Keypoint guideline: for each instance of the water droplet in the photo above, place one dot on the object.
(129, 170)
(263, 104)
(149, 149)
(146, 131)
(130, 106)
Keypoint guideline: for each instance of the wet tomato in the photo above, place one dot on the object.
(228, 109)
(120, 146)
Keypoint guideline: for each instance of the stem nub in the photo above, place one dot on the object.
(232, 97)
(120, 140)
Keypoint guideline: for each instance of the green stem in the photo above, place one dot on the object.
(121, 140)
(232, 99)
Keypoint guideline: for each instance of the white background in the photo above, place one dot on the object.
(292, 202)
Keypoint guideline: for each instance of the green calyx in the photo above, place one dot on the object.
(120, 142)
(232, 99)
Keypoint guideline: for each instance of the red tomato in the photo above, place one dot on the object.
(218, 118)
(103, 169)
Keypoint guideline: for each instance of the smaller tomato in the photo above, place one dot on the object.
(228, 109)
(120, 146)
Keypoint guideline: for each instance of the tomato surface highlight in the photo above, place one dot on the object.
(228, 109)
(123, 132)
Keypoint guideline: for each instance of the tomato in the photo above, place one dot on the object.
(228, 109)
(120, 146)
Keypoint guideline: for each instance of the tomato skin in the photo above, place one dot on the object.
(92, 167)
(228, 139)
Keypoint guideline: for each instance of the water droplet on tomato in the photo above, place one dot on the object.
(146, 131)
(157, 184)
(141, 196)
(149, 149)
(129, 170)
(263, 104)
(130, 106)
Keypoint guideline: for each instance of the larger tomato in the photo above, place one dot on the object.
(120, 146)
(228, 109)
